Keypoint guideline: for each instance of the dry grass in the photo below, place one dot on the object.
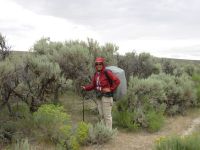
(143, 140)
(74, 106)
(124, 140)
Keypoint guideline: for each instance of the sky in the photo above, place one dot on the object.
(163, 28)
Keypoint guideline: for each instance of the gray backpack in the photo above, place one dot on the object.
(122, 88)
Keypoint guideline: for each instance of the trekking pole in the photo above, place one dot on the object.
(83, 93)
(83, 109)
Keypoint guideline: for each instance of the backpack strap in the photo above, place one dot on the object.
(107, 76)
(110, 94)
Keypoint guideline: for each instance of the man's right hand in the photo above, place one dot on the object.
(83, 87)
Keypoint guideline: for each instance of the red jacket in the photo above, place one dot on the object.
(103, 81)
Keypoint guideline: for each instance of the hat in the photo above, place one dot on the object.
(100, 60)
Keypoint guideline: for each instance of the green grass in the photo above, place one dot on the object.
(190, 142)
(73, 105)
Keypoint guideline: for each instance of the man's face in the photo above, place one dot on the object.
(99, 66)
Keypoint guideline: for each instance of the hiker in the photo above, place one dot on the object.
(104, 90)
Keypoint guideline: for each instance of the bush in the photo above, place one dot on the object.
(179, 91)
(155, 120)
(146, 91)
(190, 142)
(82, 132)
(63, 134)
(17, 125)
(124, 119)
(22, 144)
(12, 130)
(99, 134)
(7, 131)
(142, 65)
(196, 79)
(148, 99)
(73, 143)
(53, 123)
(21, 110)
(144, 101)
(168, 66)
(173, 143)
(151, 119)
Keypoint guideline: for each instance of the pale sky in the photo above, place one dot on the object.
(164, 28)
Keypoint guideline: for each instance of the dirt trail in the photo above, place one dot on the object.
(195, 124)
(179, 125)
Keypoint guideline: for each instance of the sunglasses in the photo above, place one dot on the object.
(98, 64)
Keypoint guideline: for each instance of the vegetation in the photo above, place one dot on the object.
(4, 48)
(196, 79)
(22, 144)
(143, 106)
(32, 83)
(99, 134)
(190, 142)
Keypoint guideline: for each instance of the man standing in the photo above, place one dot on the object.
(104, 90)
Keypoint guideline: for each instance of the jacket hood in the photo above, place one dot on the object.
(100, 60)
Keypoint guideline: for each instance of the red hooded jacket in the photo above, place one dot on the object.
(103, 81)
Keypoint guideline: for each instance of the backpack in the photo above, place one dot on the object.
(122, 88)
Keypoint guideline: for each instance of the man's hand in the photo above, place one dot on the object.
(106, 90)
(83, 87)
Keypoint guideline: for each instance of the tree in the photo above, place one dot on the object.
(4, 48)
(9, 82)
(168, 66)
(128, 63)
(146, 65)
(142, 65)
(40, 77)
(76, 58)
(31, 79)
(73, 58)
